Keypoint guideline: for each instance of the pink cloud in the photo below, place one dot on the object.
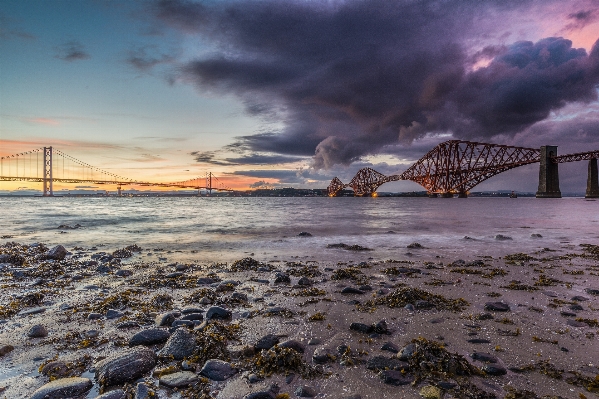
(44, 121)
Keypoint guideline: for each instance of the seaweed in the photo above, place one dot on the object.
(409, 295)
(278, 360)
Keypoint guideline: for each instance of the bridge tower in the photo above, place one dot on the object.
(548, 174)
(592, 180)
(47, 179)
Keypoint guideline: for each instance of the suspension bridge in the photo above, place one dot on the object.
(49, 165)
(455, 167)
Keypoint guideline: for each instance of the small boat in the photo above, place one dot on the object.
(513, 195)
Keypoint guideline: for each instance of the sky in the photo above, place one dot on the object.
(293, 93)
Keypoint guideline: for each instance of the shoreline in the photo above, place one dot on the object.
(544, 334)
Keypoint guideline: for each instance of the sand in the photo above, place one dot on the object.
(544, 345)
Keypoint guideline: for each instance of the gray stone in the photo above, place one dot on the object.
(406, 352)
(260, 395)
(37, 331)
(217, 370)
(574, 323)
(142, 391)
(322, 356)
(57, 253)
(351, 290)
(180, 379)
(116, 394)
(378, 363)
(293, 344)
(5, 349)
(192, 310)
(94, 316)
(304, 234)
(305, 392)
(390, 346)
(394, 377)
(180, 345)
(31, 311)
(494, 369)
(192, 316)
(63, 388)
(166, 319)
(149, 337)
(125, 366)
(361, 327)
(592, 291)
(497, 306)
(216, 312)
(484, 357)
(113, 314)
(267, 342)
(282, 278)
(179, 323)
(304, 281)
(123, 273)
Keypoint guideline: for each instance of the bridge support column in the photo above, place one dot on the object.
(446, 195)
(548, 174)
(592, 180)
(47, 179)
(118, 189)
(462, 194)
(433, 195)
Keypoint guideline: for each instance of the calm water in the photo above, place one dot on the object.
(223, 229)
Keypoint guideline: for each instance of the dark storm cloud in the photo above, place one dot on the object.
(211, 157)
(350, 78)
(581, 19)
(71, 51)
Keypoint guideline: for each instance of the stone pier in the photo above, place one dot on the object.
(592, 180)
(548, 174)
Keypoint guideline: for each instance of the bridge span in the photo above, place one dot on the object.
(48, 166)
(455, 167)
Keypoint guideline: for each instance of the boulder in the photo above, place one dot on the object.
(63, 388)
(217, 370)
(37, 331)
(149, 337)
(125, 366)
(179, 345)
(180, 379)
(57, 253)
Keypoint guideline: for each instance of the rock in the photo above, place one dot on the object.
(361, 327)
(501, 237)
(193, 316)
(415, 245)
(192, 310)
(386, 363)
(267, 342)
(94, 316)
(293, 344)
(57, 253)
(409, 307)
(394, 377)
(431, 392)
(282, 278)
(575, 307)
(592, 291)
(5, 349)
(479, 341)
(484, 357)
(497, 306)
(494, 369)
(56, 368)
(422, 304)
(179, 345)
(406, 352)
(151, 336)
(217, 370)
(37, 331)
(305, 392)
(253, 378)
(179, 323)
(304, 234)
(166, 319)
(390, 347)
(352, 290)
(32, 311)
(575, 323)
(180, 379)
(73, 387)
(125, 366)
(239, 296)
(127, 324)
(123, 273)
(579, 298)
(260, 395)
(142, 391)
(381, 327)
(113, 314)
(116, 394)
(304, 281)
(536, 235)
(322, 356)
(206, 281)
(216, 312)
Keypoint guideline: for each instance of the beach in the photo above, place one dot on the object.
(431, 322)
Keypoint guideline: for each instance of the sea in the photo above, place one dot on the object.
(223, 229)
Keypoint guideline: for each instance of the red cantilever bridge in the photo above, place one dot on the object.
(455, 167)
(47, 166)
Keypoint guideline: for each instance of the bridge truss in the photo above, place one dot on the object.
(454, 167)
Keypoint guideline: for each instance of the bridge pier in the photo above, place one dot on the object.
(47, 179)
(462, 194)
(446, 195)
(592, 180)
(433, 195)
(548, 174)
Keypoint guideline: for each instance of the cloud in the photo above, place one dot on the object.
(8, 31)
(250, 159)
(44, 121)
(147, 57)
(349, 79)
(581, 19)
(86, 187)
(71, 51)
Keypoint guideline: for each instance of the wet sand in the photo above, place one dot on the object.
(467, 342)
